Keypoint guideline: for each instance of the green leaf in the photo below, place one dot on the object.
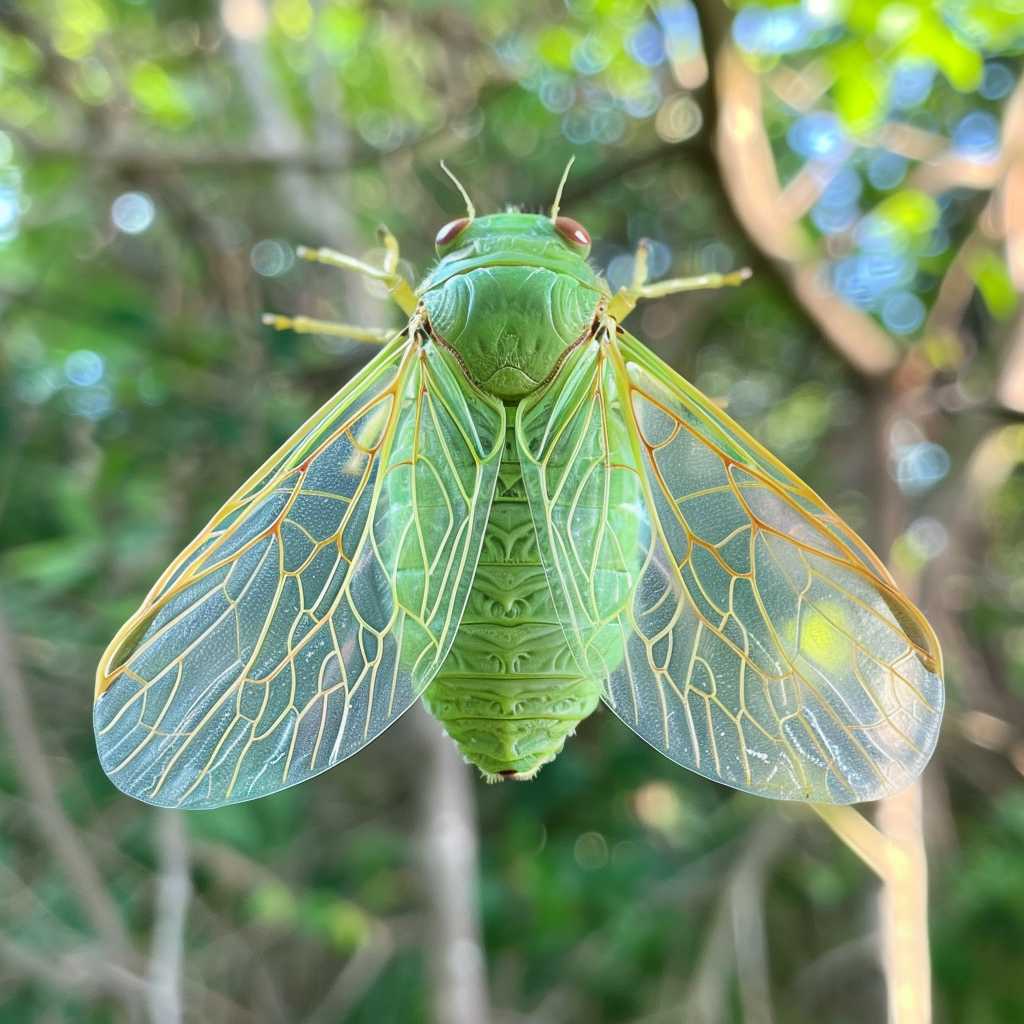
(345, 925)
(914, 212)
(935, 41)
(273, 904)
(861, 86)
(989, 273)
(555, 46)
(160, 95)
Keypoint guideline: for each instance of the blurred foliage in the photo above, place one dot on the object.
(157, 163)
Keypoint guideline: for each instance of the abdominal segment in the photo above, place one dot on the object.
(510, 691)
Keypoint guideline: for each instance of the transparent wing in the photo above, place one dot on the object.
(744, 630)
(319, 601)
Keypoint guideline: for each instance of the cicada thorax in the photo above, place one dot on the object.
(510, 691)
(511, 325)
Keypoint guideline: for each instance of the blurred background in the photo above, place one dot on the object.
(158, 164)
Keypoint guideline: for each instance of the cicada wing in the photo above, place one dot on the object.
(318, 603)
(743, 628)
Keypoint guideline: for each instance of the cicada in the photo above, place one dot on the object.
(514, 512)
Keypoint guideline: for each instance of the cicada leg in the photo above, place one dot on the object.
(398, 287)
(310, 325)
(624, 301)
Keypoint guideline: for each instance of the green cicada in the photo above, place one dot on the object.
(514, 511)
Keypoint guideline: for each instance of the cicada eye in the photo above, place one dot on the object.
(573, 232)
(450, 232)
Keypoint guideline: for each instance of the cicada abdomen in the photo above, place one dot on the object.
(511, 691)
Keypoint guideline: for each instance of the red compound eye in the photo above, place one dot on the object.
(572, 231)
(450, 232)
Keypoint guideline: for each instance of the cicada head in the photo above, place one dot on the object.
(511, 292)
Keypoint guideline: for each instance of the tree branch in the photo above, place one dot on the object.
(451, 876)
(131, 157)
(747, 169)
(32, 767)
(172, 897)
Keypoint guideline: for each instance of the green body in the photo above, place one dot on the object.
(510, 300)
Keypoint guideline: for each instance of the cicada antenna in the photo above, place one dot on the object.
(470, 208)
(561, 185)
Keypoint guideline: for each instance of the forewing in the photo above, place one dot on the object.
(743, 629)
(320, 600)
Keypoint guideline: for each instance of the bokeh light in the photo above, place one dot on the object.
(132, 212)
(838, 209)
(84, 368)
(820, 136)
(927, 536)
(678, 119)
(903, 312)
(8, 214)
(772, 30)
(271, 258)
(916, 463)
(12, 199)
(911, 84)
(557, 92)
(591, 55)
(976, 136)
(886, 170)
(647, 45)
(997, 81)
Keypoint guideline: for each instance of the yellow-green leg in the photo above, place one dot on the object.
(398, 288)
(624, 301)
(310, 325)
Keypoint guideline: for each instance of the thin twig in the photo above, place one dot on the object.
(172, 897)
(737, 911)
(897, 856)
(858, 834)
(904, 907)
(451, 876)
(356, 977)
